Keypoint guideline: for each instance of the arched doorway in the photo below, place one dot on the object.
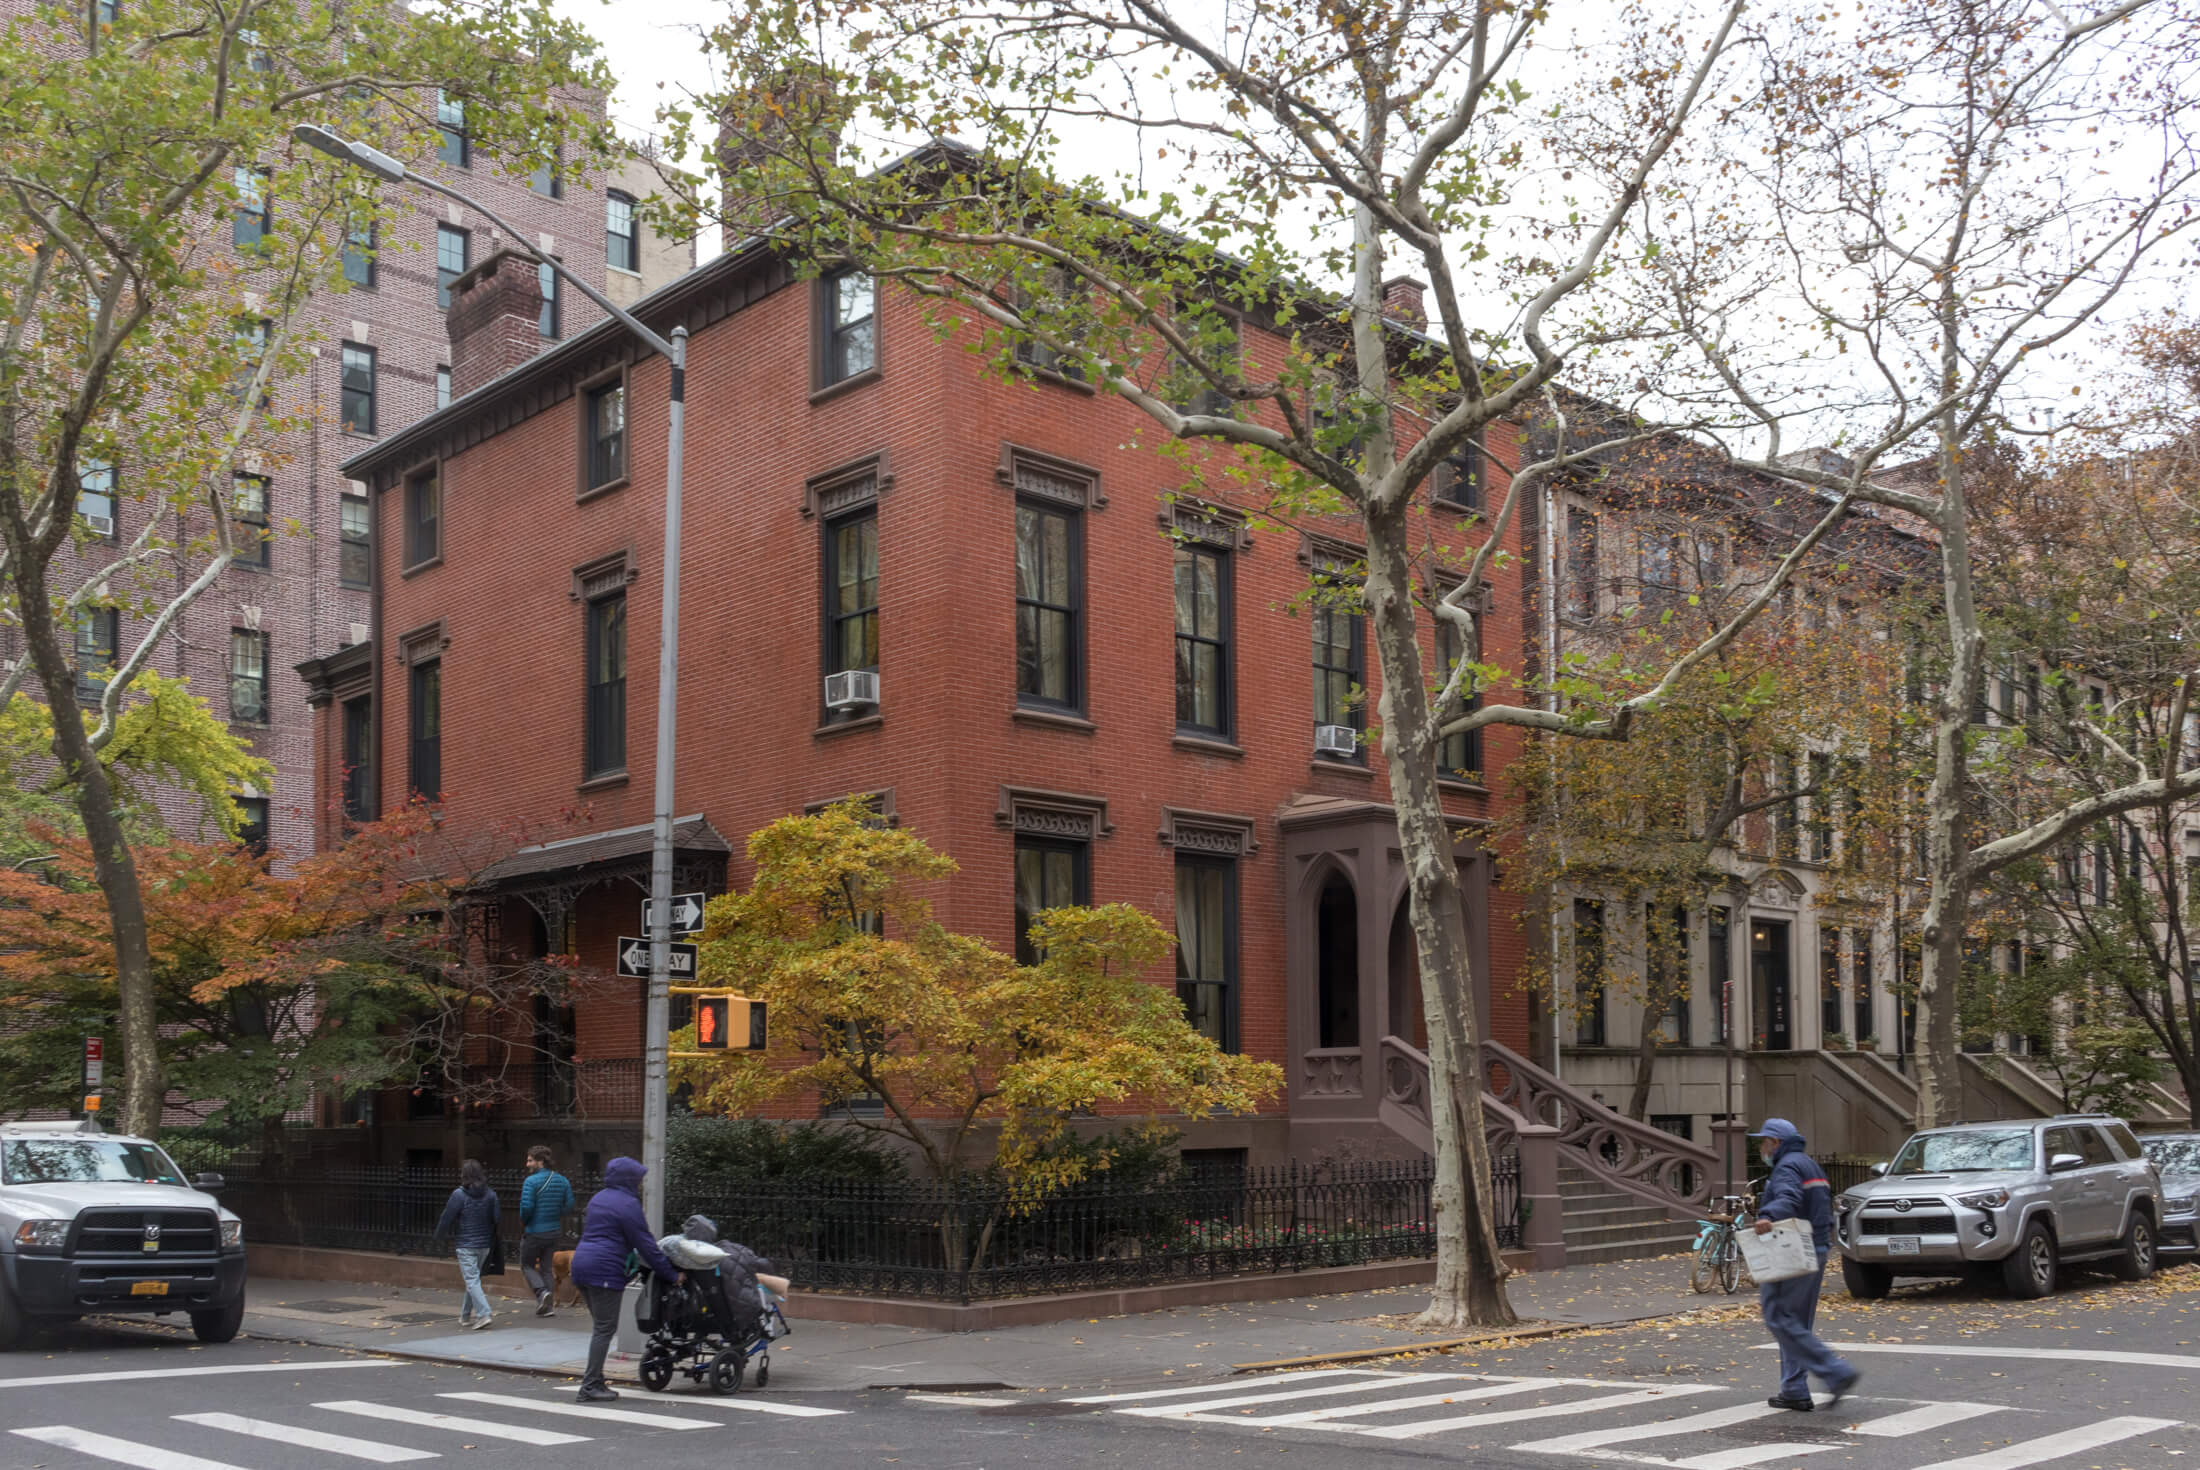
(1337, 964)
(1405, 1018)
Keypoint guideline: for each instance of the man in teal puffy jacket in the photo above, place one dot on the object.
(543, 1201)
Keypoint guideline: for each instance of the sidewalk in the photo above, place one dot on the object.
(1189, 1343)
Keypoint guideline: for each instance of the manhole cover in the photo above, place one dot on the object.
(415, 1319)
(334, 1309)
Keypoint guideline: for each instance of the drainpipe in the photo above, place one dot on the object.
(1547, 550)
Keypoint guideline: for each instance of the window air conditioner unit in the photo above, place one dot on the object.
(359, 632)
(851, 689)
(1336, 740)
(100, 525)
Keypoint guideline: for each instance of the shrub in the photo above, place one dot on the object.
(701, 1151)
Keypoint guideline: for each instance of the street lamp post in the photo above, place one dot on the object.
(657, 1016)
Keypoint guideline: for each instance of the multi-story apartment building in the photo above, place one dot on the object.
(1079, 683)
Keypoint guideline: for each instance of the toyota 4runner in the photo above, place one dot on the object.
(98, 1222)
(2023, 1198)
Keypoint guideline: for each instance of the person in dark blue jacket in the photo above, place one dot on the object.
(613, 1226)
(1797, 1190)
(471, 1217)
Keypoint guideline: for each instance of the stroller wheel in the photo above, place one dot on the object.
(656, 1369)
(725, 1372)
(763, 1371)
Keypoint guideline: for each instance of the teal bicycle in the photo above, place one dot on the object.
(1718, 1260)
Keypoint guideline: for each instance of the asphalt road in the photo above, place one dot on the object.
(2099, 1377)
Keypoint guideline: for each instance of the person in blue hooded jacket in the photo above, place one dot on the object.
(1797, 1190)
(613, 1226)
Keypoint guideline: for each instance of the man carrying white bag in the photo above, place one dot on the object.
(1790, 1272)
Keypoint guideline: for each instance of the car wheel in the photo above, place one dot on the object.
(2137, 1261)
(1866, 1282)
(2029, 1273)
(15, 1328)
(221, 1323)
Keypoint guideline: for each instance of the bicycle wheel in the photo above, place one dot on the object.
(1730, 1265)
(1703, 1268)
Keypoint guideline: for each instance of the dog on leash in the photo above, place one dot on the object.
(561, 1280)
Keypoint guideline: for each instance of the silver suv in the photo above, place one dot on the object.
(103, 1222)
(2025, 1197)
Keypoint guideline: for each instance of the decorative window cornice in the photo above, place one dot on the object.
(1211, 834)
(423, 644)
(881, 803)
(1049, 477)
(844, 488)
(1188, 518)
(1339, 563)
(603, 576)
(1064, 814)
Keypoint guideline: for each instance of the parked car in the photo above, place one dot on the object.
(2176, 1157)
(103, 1222)
(2026, 1197)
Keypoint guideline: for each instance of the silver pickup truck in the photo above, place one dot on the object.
(2023, 1197)
(103, 1222)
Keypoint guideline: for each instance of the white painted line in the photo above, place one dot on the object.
(769, 1406)
(311, 1439)
(1597, 1439)
(585, 1411)
(1171, 1393)
(2055, 1446)
(1751, 1454)
(121, 1451)
(1540, 1411)
(63, 1380)
(1235, 1401)
(1384, 1406)
(959, 1400)
(2050, 1355)
(1931, 1416)
(487, 1428)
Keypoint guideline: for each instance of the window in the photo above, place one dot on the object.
(1666, 968)
(1049, 302)
(1860, 981)
(607, 685)
(1821, 807)
(1460, 756)
(247, 677)
(549, 179)
(1780, 778)
(249, 336)
(622, 233)
(359, 789)
(1721, 966)
(453, 246)
(606, 434)
(453, 145)
(1219, 338)
(1660, 561)
(851, 593)
(423, 518)
(1050, 874)
(1340, 657)
(255, 213)
(360, 254)
(549, 322)
(1203, 627)
(95, 496)
(1581, 563)
(357, 406)
(106, 10)
(98, 636)
(1206, 947)
(252, 824)
(1048, 577)
(1830, 1015)
(1457, 480)
(355, 544)
(850, 345)
(426, 716)
(248, 496)
(1588, 973)
(442, 385)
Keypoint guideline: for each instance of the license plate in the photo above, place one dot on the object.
(1901, 1245)
(148, 1288)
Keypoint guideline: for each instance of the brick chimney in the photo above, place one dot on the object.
(495, 320)
(1402, 302)
(792, 118)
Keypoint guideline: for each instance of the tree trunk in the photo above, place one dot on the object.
(1470, 1266)
(1646, 1063)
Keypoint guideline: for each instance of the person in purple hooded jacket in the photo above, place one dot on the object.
(613, 1226)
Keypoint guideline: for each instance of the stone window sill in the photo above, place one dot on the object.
(848, 727)
(1209, 745)
(847, 385)
(1342, 768)
(1052, 719)
(608, 781)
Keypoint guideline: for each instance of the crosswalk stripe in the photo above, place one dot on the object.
(756, 1405)
(1746, 1455)
(489, 1428)
(1510, 1416)
(2054, 1446)
(1596, 1439)
(1386, 1406)
(1181, 1392)
(1919, 1420)
(585, 1411)
(63, 1380)
(2052, 1355)
(121, 1451)
(959, 1400)
(1233, 1401)
(311, 1439)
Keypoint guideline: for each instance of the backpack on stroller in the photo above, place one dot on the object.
(712, 1325)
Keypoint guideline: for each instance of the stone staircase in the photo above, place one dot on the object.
(1604, 1225)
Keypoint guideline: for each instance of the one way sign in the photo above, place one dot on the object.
(687, 912)
(634, 960)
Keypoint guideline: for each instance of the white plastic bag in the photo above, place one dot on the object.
(690, 1255)
(1781, 1253)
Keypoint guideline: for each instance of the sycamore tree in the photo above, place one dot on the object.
(869, 997)
(157, 238)
(1131, 184)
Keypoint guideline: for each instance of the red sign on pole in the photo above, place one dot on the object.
(95, 1062)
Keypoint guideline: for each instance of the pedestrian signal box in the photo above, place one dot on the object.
(728, 1023)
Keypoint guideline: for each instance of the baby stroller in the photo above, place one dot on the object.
(710, 1326)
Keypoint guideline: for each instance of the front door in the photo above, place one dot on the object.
(1768, 985)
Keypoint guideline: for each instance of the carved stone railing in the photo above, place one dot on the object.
(1634, 1158)
(1405, 1109)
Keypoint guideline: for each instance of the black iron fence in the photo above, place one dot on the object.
(969, 1242)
